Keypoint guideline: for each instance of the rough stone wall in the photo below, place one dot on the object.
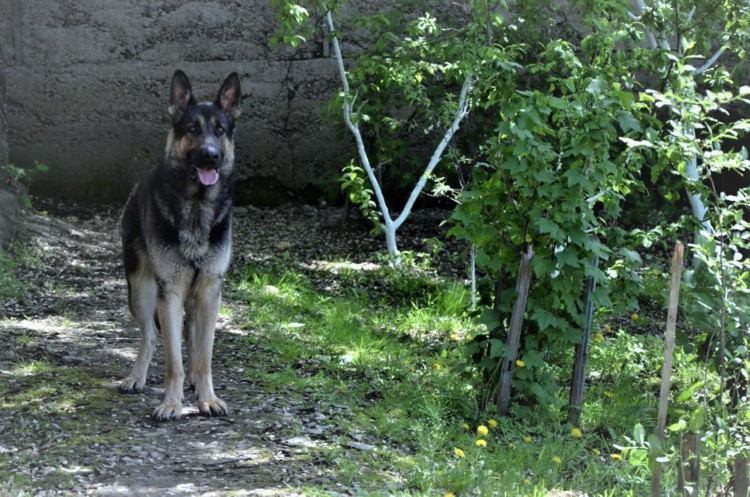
(88, 83)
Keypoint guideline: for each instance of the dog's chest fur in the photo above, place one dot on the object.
(201, 222)
(195, 225)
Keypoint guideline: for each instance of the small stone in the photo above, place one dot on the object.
(360, 446)
(300, 442)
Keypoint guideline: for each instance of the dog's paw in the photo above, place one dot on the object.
(167, 411)
(132, 384)
(215, 407)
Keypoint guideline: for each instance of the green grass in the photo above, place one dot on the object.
(10, 285)
(388, 345)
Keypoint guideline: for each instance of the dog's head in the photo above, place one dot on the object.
(201, 136)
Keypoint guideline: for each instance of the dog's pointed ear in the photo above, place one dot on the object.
(180, 96)
(229, 96)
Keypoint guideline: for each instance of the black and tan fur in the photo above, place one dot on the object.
(177, 235)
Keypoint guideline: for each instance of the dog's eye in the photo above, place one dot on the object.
(193, 128)
(219, 130)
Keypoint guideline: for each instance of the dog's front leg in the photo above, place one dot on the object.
(207, 301)
(170, 308)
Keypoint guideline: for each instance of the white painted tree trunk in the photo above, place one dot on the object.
(389, 224)
(659, 40)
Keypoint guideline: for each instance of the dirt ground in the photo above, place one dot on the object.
(68, 340)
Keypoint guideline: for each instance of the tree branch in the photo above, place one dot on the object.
(711, 61)
(353, 127)
(463, 110)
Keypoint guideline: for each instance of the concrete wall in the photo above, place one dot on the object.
(88, 83)
(3, 122)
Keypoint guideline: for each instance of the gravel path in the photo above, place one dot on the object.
(68, 340)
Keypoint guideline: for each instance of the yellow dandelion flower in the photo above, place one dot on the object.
(597, 452)
(576, 432)
(492, 423)
(435, 396)
(616, 457)
(437, 366)
(482, 431)
(512, 446)
(527, 481)
(465, 426)
(459, 452)
(481, 443)
(608, 394)
(520, 363)
(449, 495)
(556, 460)
(527, 439)
(608, 329)
(598, 338)
(634, 316)
(454, 336)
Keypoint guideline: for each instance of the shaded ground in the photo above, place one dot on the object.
(67, 340)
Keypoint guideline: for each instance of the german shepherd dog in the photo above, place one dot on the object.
(176, 232)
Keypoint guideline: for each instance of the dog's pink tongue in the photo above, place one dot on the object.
(208, 176)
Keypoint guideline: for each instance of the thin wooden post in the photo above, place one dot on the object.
(514, 332)
(666, 370)
(582, 355)
(741, 480)
(690, 462)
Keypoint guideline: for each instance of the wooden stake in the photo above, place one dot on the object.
(582, 355)
(666, 370)
(741, 480)
(514, 333)
(689, 469)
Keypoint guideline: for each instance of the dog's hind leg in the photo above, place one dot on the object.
(207, 298)
(142, 302)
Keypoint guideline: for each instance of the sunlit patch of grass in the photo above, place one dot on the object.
(389, 347)
(29, 368)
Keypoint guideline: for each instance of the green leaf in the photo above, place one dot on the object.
(557, 103)
(489, 318)
(568, 257)
(678, 426)
(697, 420)
(497, 348)
(550, 227)
(533, 359)
(639, 434)
(596, 87)
(687, 394)
(544, 319)
(628, 123)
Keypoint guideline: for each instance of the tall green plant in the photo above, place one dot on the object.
(555, 177)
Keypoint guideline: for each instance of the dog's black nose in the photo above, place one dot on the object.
(210, 153)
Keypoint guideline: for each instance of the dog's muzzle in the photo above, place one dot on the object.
(211, 157)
